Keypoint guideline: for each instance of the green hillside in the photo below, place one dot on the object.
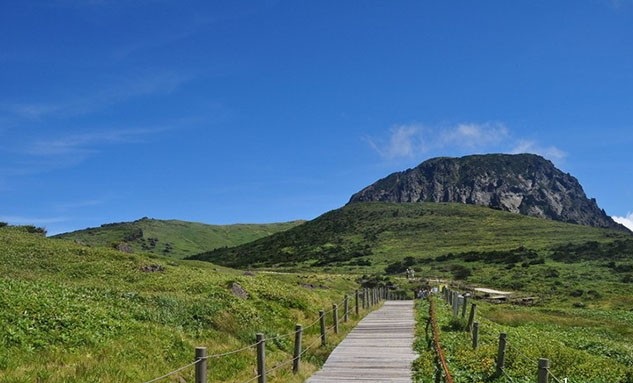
(72, 313)
(374, 235)
(173, 238)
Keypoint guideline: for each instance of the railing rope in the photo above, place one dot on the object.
(370, 298)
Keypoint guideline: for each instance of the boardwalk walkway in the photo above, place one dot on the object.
(379, 349)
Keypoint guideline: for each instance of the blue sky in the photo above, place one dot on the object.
(265, 111)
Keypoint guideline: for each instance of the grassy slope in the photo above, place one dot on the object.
(73, 313)
(381, 233)
(173, 238)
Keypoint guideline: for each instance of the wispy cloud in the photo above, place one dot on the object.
(473, 136)
(404, 141)
(81, 144)
(529, 146)
(626, 221)
(408, 141)
(414, 140)
(120, 90)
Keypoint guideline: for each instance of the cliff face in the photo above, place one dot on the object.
(523, 183)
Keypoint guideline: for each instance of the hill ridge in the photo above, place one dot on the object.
(173, 238)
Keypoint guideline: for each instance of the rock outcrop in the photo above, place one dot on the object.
(522, 183)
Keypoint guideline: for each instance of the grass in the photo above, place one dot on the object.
(173, 238)
(77, 313)
(363, 237)
(72, 313)
(583, 345)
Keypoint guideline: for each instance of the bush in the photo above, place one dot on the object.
(461, 272)
(34, 230)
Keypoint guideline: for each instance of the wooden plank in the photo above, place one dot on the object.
(379, 349)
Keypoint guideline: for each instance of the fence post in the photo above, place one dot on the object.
(356, 302)
(323, 329)
(335, 317)
(201, 366)
(543, 370)
(296, 361)
(501, 354)
(261, 358)
(471, 316)
(465, 305)
(475, 335)
(346, 307)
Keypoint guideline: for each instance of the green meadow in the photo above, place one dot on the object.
(72, 313)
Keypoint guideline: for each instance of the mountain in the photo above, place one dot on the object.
(523, 183)
(173, 238)
(368, 236)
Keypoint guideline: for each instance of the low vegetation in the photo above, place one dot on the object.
(72, 313)
(373, 236)
(78, 313)
(583, 345)
(172, 238)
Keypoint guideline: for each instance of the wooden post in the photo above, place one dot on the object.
(296, 361)
(346, 308)
(543, 370)
(335, 317)
(471, 316)
(323, 329)
(501, 354)
(464, 306)
(201, 366)
(356, 302)
(261, 358)
(475, 335)
(364, 297)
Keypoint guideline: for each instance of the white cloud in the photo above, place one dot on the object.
(404, 141)
(626, 221)
(408, 141)
(527, 146)
(414, 140)
(474, 136)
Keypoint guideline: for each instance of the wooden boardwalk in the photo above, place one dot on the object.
(379, 349)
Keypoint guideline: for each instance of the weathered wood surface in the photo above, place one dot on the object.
(379, 349)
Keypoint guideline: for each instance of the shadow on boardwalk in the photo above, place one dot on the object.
(379, 349)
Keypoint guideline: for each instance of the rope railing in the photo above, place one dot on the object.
(233, 352)
(369, 299)
(544, 371)
(436, 342)
(167, 375)
(549, 372)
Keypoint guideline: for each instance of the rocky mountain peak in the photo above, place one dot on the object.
(520, 183)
